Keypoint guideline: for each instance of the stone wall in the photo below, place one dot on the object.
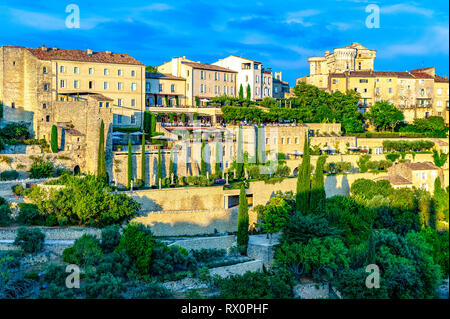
(219, 242)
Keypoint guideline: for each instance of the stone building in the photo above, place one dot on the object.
(249, 72)
(33, 80)
(203, 81)
(419, 93)
(74, 90)
(280, 88)
(164, 90)
(421, 175)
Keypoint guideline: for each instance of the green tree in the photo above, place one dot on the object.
(54, 139)
(143, 159)
(249, 92)
(147, 123)
(439, 159)
(129, 165)
(240, 155)
(241, 92)
(371, 253)
(171, 170)
(274, 216)
(318, 195)
(159, 172)
(101, 161)
(302, 197)
(243, 222)
(217, 169)
(362, 163)
(384, 115)
(151, 69)
(203, 166)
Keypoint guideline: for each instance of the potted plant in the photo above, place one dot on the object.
(119, 148)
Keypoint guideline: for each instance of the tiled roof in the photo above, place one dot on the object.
(394, 180)
(440, 79)
(421, 75)
(421, 69)
(95, 96)
(421, 166)
(83, 56)
(211, 67)
(164, 76)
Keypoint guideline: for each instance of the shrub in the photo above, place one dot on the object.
(55, 274)
(30, 240)
(9, 175)
(137, 241)
(392, 157)
(86, 251)
(255, 285)
(17, 190)
(41, 169)
(152, 290)
(170, 259)
(110, 238)
(5, 215)
(116, 263)
(207, 255)
(29, 215)
(105, 287)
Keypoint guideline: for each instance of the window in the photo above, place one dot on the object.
(422, 91)
(215, 89)
(44, 105)
(377, 80)
(267, 140)
(296, 140)
(160, 88)
(119, 86)
(356, 89)
(100, 104)
(119, 119)
(147, 86)
(105, 85)
(47, 118)
(225, 77)
(119, 72)
(76, 70)
(76, 84)
(133, 86)
(133, 119)
(390, 90)
(45, 87)
(105, 72)
(91, 85)
(172, 88)
(133, 72)
(359, 65)
(201, 75)
(215, 76)
(106, 104)
(363, 81)
(335, 81)
(246, 78)
(439, 91)
(13, 105)
(288, 140)
(61, 69)
(133, 102)
(365, 90)
(119, 102)
(44, 70)
(439, 103)
(62, 84)
(257, 78)
(421, 81)
(282, 140)
(389, 80)
(91, 71)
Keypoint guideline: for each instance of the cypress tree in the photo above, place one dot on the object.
(159, 171)
(143, 159)
(371, 251)
(318, 195)
(217, 169)
(130, 165)
(54, 139)
(147, 122)
(101, 161)
(152, 124)
(171, 163)
(241, 92)
(243, 222)
(240, 156)
(302, 196)
(203, 167)
(249, 92)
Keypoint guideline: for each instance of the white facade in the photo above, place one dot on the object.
(250, 72)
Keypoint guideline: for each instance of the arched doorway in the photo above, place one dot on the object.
(76, 170)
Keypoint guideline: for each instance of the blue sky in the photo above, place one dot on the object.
(281, 34)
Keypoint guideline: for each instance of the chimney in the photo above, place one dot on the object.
(89, 51)
(44, 48)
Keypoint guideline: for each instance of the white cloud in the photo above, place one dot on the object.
(299, 17)
(406, 8)
(157, 7)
